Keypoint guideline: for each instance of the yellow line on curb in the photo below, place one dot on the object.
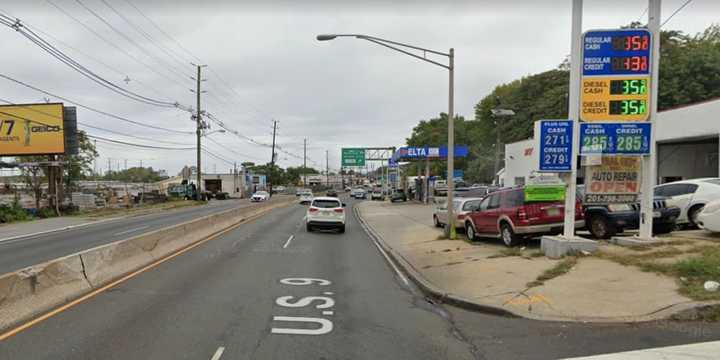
(121, 280)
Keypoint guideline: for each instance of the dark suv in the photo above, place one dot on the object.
(506, 214)
(606, 220)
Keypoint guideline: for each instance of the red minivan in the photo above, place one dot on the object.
(507, 215)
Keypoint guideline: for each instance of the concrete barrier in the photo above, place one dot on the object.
(31, 291)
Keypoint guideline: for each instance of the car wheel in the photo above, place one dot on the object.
(436, 222)
(508, 235)
(341, 229)
(600, 228)
(470, 231)
(308, 228)
(693, 215)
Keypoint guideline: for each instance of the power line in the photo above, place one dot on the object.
(117, 117)
(67, 60)
(129, 39)
(146, 35)
(138, 145)
(676, 11)
(112, 44)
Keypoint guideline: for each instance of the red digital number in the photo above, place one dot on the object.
(636, 42)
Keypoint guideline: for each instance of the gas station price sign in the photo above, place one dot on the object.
(622, 138)
(616, 75)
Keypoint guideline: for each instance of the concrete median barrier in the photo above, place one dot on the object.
(42, 286)
(39, 288)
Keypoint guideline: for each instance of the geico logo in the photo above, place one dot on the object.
(45, 128)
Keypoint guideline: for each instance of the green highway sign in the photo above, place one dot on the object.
(353, 157)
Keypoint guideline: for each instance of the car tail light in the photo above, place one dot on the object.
(312, 209)
(522, 215)
(339, 210)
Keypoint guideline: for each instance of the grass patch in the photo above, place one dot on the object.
(561, 268)
(507, 252)
(170, 205)
(692, 272)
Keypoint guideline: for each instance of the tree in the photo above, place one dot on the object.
(134, 174)
(78, 167)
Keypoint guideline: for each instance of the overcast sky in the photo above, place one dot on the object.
(342, 93)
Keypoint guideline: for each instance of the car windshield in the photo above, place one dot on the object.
(262, 193)
(326, 204)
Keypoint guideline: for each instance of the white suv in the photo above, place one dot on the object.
(325, 213)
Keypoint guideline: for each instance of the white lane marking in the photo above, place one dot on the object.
(327, 312)
(218, 353)
(397, 271)
(131, 230)
(13, 239)
(288, 241)
(328, 293)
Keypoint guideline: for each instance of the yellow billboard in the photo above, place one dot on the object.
(615, 98)
(31, 129)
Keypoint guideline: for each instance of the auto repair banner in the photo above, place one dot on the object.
(616, 181)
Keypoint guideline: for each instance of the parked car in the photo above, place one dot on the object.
(604, 221)
(325, 213)
(506, 214)
(299, 191)
(398, 195)
(690, 196)
(358, 193)
(709, 217)
(279, 189)
(440, 188)
(474, 191)
(260, 196)
(461, 207)
(331, 193)
(377, 194)
(306, 197)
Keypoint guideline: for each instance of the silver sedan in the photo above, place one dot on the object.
(462, 206)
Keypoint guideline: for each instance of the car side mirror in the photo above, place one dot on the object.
(344, 204)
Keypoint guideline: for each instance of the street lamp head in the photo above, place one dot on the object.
(326, 37)
(502, 112)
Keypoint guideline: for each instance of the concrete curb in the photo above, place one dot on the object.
(35, 290)
(692, 310)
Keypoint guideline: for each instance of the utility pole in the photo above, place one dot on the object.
(109, 166)
(200, 127)
(327, 169)
(272, 159)
(304, 161)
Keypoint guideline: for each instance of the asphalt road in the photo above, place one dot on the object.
(270, 290)
(19, 253)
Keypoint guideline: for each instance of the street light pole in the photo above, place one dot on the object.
(451, 147)
(394, 45)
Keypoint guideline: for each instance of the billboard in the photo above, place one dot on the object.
(617, 180)
(31, 129)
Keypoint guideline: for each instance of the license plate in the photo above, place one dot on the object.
(327, 212)
(553, 212)
(656, 214)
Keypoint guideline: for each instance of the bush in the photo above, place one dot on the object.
(12, 213)
(45, 212)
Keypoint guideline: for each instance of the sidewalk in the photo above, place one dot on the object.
(520, 281)
(27, 228)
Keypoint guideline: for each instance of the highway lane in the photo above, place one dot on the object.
(19, 253)
(232, 297)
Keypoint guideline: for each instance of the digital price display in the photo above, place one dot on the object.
(616, 75)
(615, 138)
(627, 107)
(616, 52)
(628, 87)
(555, 145)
